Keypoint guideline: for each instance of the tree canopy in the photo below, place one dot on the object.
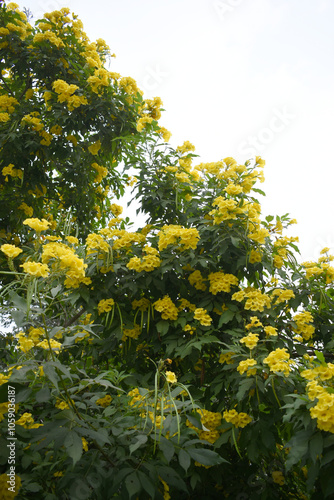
(189, 358)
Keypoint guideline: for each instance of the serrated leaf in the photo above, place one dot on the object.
(184, 459)
(132, 484)
(140, 440)
(205, 456)
(51, 374)
(167, 448)
(73, 445)
(43, 395)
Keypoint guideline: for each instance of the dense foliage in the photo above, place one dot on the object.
(190, 358)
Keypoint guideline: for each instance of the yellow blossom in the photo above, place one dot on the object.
(10, 250)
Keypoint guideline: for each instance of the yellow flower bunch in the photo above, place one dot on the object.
(259, 234)
(282, 295)
(27, 421)
(177, 235)
(197, 280)
(185, 304)
(245, 366)
(250, 340)
(148, 263)
(304, 328)
(201, 315)
(132, 333)
(278, 361)
(5, 493)
(278, 477)
(142, 304)
(125, 238)
(36, 269)
(102, 172)
(210, 420)
(237, 419)
(233, 189)
(105, 305)
(221, 282)
(95, 241)
(255, 323)
(270, 331)
(256, 300)
(13, 172)
(226, 358)
(10, 250)
(105, 401)
(255, 256)
(228, 209)
(65, 259)
(185, 148)
(37, 224)
(94, 148)
(323, 372)
(25, 343)
(323, 411)
(166, 307)
(65, 93)
(26, 209)
(53, 343)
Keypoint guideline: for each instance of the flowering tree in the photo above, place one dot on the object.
(189, 358)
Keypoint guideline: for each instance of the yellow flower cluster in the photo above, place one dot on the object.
(228, 209)
(185, 148)
(256, 300)
(323, 411)
(185, 304)
(36, 269)
(278, 361)
(282, 295)
(148, 263)
(37, 224)
(221, 282)
(104, 402)
(27, 421)
(13, 172)
(255, 323)
(178, 235)
(65, 259)
(321, 268)
(5, 493)
(105, 305)
(10, 250)
(226, 358)
(142, 304)
(201, 315)
(245, 366)
(209, 420)
(167, 308)
(3, 378)
(65, 93)
(237, 419)
(250, 340)
(303, 326)
(133, 333)
(255, 256)
(270, 331)
(95, 241)
(125, 238)
(53, 343)
(278, 477)
(26, 209)
(196, 279)
(102, 172)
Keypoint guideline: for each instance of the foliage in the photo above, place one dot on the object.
(190, 358)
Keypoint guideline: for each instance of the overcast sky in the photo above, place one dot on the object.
(237, 78)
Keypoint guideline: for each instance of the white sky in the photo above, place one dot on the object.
(237, 78)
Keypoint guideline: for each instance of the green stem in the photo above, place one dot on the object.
(273, 387)
(235, 442)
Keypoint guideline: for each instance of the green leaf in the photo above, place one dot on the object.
(132, 484)
(320, 356)
(226, 317)
(43, 395)
(51, 374)
(205, 457)
(162, 327)
(140, 440)
(32, 487)
(184, 459)
(316, 446)
(167, 448)
(73, 445)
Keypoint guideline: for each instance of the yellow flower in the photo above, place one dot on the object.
(278, 477)
(237, 419)
(250, 340)
(10, 250)
(38, 225)
(104, 402)
(105, 305)
(166, 307)
(171, 377)
(202, 317)
(94, 148)
(245, 365)
(36, 269)
(84, 444)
